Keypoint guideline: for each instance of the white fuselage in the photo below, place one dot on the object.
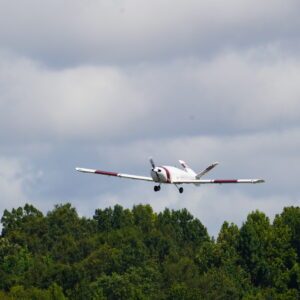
(168, 174)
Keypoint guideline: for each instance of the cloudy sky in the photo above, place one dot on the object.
(106, 84)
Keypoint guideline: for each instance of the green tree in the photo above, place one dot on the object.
(105, 259)
(217, 283)
(227, 244)
(138, 254)
(181, 226)
(291, 217)
(144, 217)
(15, 261)
(104, 219)
(254, 244)
(266, 251)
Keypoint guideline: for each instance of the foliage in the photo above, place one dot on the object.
(139, 254)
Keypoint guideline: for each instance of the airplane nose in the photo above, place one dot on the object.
(154, 175)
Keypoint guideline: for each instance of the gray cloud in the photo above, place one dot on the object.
(60, 33)
(272, 156)
(108, 84)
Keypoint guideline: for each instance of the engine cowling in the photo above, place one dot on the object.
(159, 175)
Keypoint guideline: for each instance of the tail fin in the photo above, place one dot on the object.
(187, 168)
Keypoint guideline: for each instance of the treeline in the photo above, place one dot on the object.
(139, 254)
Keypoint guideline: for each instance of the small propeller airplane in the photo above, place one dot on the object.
(173, 175)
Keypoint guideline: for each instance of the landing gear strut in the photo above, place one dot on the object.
(180, 189)
(156, 188)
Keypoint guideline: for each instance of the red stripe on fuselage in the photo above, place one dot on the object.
(106, 173)
(168, 174)
(225, 181)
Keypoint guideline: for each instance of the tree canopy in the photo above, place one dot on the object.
(140, 254)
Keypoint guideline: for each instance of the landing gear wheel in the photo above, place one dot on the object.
(156, 188)
(180, 190)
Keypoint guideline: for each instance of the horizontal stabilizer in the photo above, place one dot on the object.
(209, 168)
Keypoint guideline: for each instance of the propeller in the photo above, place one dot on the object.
(152, 162)
(156, 188)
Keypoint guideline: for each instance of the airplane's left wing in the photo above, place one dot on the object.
(218, 181)
(136, 177)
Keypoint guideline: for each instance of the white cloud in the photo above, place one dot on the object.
(80, 102)
(232, 93)
(12, 180)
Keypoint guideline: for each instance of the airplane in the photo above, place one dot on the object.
(173, 175)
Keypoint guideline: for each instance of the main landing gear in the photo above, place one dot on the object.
(156, 188)
(180, 189)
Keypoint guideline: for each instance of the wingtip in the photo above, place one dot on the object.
(260, 181)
